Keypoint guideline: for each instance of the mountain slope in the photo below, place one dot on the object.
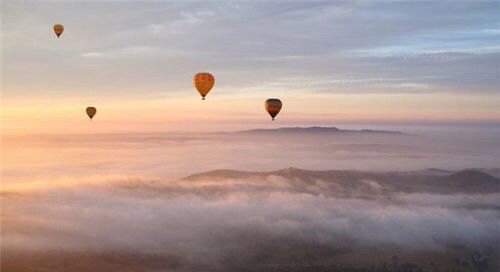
(466, 181)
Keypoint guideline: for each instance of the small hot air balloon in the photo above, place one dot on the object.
(273, 106)
(91, 111)
(203, 82)
(58, 29)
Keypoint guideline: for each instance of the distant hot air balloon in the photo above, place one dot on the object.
(91, 111)
(203, 82)
(273, 106)
(58, 29)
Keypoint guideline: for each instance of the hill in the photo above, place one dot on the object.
(359, 182)
(315, 130)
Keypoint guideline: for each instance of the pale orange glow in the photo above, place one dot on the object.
(189, 113)
(34, 185)
(249, 135)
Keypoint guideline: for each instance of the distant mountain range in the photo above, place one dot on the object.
(315, 130)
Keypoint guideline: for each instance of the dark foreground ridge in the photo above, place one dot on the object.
(316, 130)
(464, 181)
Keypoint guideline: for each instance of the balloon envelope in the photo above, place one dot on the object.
(58, 29)
(91, 111)
(203, 82)
(273, 106)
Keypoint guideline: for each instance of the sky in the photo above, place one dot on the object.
(329, 62)
(351, 64)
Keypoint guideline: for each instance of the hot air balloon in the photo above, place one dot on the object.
(58, 29)
(203, 82)
(273, 106)
(91, 111)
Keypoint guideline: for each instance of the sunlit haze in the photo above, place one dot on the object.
(329, 61)
(334, 136)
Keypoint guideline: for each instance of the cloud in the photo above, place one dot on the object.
(93, 55)
(117, 195)
(55, 158)
(272, 221)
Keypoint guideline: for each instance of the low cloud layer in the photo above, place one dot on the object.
(117, 203)
(266, 217)
(61, 158)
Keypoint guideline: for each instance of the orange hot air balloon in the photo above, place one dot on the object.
(273, 106)
(91, 111)
(203, 82)
(58, 29)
